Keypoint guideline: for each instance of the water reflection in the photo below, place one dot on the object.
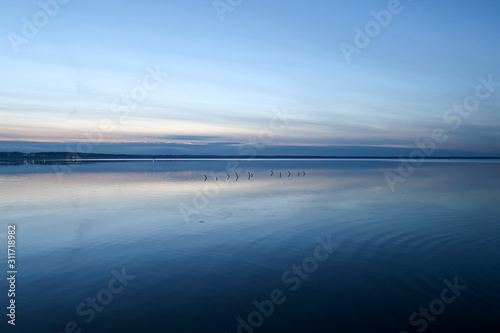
(396, 247)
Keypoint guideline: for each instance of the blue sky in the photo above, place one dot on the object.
(223, 80)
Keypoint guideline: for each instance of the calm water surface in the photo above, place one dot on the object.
(152, 247)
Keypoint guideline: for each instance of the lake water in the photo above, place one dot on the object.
(153, 247)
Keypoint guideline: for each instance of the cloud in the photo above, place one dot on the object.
(221, 148)
(190, 137)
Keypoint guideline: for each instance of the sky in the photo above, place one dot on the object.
(208, 77)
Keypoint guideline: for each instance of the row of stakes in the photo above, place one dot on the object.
(250, 175)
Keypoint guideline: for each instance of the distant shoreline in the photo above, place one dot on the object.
(62, 157)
